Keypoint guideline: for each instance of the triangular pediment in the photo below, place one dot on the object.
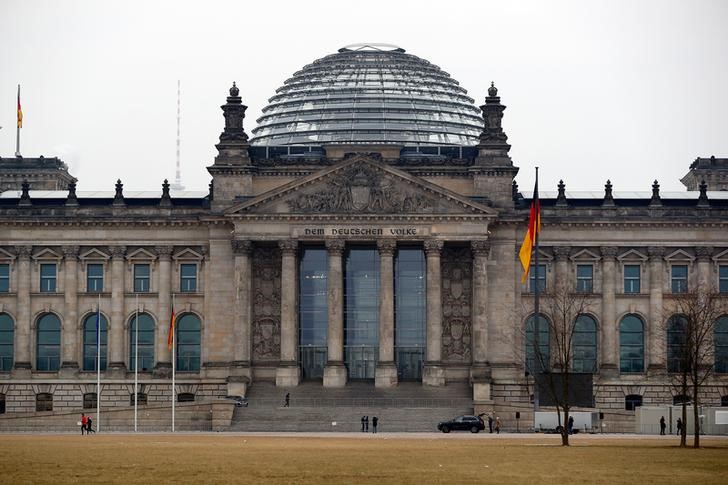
(47, 253)
(679, 255)
(94, 254)
(188, 254)
(632, 255)
(585, 255)
(361, 186)
(141, 254)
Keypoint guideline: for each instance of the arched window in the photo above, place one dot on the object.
(185, 397)
(6, 342)
(631, 344)
(145, 338)
(44, 401)
(676, 338)
(89, 400)
(48, 356)
(585, 344)
(188, 343)
(537, 357)
(721, 344)
(632, 401)
(89, 342)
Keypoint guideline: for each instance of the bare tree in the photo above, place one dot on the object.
(550, 350)
(691, 328)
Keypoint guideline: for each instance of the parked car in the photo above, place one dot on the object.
(474, 424)
(240, 402)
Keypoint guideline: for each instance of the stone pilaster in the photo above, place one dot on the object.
(23, 323)
(434, 374)
(704, 255)
(655, 358)
(163, 366)
(288, 373)
(562, 279)
(609, 328)
(386, 371)
(335, 371)
(243, 313)
(116, 330)
(480, 372)
(70, 334)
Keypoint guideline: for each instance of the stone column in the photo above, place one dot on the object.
(288, 372)
(23, 314)
(70, 333)
(386, 372)
(480, 373)
(704, 279)
(434, 374)
(335, 371)
(562, 279)
(609, 327)
(116, 333)
(657, 345)
(163, 366)
(243, 313)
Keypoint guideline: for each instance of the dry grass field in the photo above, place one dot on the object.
(420, 459)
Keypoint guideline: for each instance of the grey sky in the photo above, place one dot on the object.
(626, 90)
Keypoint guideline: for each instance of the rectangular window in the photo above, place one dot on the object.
(48, 278)
(679, 275)
(541, 278)
(188, 278)
(4, 278)
(584, 278)
(631, 278)
(141, 278)
(723, 278)
(95, 278)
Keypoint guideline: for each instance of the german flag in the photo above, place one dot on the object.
(20, 110)
(534, 228)
(170, 337)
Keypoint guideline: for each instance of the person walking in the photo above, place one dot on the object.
(366, 424)
(679, 426)
(570, 425)
(490, 423)
(375, 420)
(89, 425)
(497, 425)
(662, 425)
(83, 423)
(287, 401)
(362, 423)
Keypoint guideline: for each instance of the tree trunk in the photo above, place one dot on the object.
(696, 413)
(565, 429)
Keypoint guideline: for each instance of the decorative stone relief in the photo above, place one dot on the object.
(362, 189)
(456, 304)
(266, 268)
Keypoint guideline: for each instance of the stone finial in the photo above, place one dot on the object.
(71, 199)
(492, 137)
(119, 195)
(492, 90)
(608, 198)
(166, 200)
(561, 198)
(24, 193)
(234, 91)
(703, 197)
(514, 191)
(655, 201)
(233, 146)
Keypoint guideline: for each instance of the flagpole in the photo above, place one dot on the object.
(98, 365)
(136, 361)
(17, 129)
(537, 330)
(174, 363)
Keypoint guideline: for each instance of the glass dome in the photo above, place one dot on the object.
(369, 94)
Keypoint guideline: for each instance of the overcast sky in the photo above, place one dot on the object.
(627, 90)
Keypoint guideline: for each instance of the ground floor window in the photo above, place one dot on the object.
(632, 401)
(185, 397)
(141, 399)
(89, 400)
(44, 402)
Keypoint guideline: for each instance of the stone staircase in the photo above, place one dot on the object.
(410, 407)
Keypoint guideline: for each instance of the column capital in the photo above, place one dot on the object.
(656, 253)
(24, 252)
(117, 252)
(288, 246)
(609, 252)
(386, 246)
(704, 253)
(480, 248)
(561, 253)
(241, 247)
(70, 252)
(433, 246)
(164, 252)
(335, 246)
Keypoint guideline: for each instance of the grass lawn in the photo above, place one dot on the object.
(420, 459)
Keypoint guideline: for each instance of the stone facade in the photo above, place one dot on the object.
(244, 241)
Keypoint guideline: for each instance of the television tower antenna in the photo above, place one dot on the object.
(177, 185)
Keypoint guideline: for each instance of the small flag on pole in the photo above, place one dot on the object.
(170, 337)
(534, 227)
(20, 110)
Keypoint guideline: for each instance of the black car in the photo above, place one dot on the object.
(473, 424)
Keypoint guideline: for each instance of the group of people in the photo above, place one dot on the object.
(663, 425)
(497, 424)
(365, 424)
(86, 424)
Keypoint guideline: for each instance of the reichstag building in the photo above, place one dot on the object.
(366, 229)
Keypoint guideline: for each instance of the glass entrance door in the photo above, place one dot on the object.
(409, 363)
(361, 311)
(313, 360)
(361, 361)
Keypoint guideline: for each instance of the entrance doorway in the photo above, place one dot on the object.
(361, 361)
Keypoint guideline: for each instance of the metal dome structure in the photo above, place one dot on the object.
(369, 94)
